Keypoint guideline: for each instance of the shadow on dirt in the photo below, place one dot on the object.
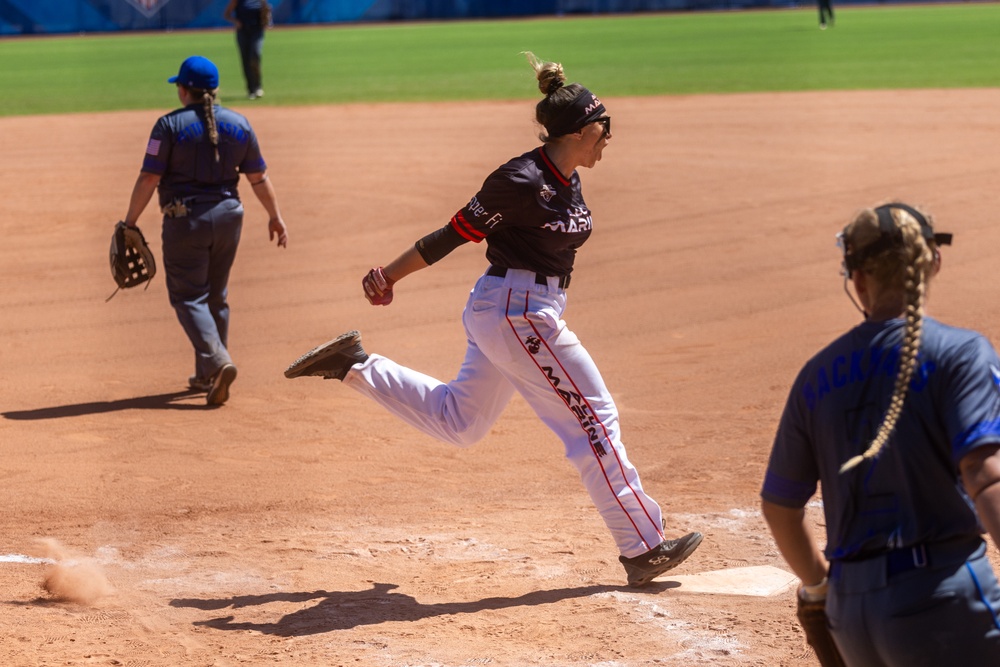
(156, 402)
(345, 610)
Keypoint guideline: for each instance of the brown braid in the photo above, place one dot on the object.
(208, 104)
(912, 264)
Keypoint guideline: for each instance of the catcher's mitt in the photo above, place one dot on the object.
(132, 261)
(812, 617)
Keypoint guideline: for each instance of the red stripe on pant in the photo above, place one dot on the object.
(513, 328)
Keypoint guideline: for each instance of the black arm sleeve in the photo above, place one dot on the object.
(437, 244)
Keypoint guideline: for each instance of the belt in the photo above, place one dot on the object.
(898, 561)
(919, 556)
(540, 278)
(179, 207)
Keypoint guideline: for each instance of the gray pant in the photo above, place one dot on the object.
(198, 253)
(943, 614)
(250, 39)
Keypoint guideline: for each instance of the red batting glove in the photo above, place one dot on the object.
(378, 287)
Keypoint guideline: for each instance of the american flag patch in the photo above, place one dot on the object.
(153, 147)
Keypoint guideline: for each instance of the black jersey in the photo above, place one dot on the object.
(531, 216)
(248, 12)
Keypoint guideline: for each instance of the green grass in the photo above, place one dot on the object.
(935, 46)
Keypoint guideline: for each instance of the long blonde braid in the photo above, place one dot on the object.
(909, 261)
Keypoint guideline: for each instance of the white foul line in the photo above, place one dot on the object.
(21, 558)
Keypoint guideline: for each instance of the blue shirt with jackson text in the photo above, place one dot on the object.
(911, 492)
(180, 151)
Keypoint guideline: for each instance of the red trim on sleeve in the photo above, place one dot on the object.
(467, 231)
(552, 167)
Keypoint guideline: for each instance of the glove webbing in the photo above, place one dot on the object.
(138, 271)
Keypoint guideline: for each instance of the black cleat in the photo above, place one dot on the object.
(330, 360)
(669, 554)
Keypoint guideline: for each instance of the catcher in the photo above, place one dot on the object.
(899, 420)
(194, 158)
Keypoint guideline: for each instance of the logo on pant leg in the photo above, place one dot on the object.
(582, 411)
(533, 344)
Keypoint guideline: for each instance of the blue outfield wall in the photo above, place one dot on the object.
(30, 17)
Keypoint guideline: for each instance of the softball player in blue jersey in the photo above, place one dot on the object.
(533, 217)
(899, 421)
(194, 157)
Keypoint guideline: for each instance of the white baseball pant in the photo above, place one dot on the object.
(517, 340)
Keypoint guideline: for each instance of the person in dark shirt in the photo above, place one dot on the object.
(194, 158)
(825, 13)
(249, 19)
(532, 215)
(899, 420)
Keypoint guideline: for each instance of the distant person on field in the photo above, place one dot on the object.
(825, 13)
(251, 18)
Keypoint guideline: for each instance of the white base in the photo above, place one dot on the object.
(758, 581)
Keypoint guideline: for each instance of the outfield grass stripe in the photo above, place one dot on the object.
(879, 47)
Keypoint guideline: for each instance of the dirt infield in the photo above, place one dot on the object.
(301, 525)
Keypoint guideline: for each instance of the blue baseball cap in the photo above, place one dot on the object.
(197, 72)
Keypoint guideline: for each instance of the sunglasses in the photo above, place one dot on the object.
(606, 122)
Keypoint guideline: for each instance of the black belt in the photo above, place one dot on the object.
(180, 207)
(923, 555)
(898, 561)
(540, 278)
